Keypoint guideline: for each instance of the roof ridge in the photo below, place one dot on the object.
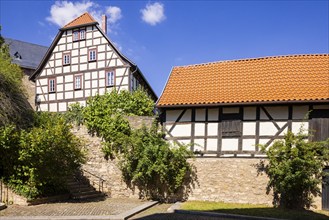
(24, 42)
(86, 13)
(250, 59)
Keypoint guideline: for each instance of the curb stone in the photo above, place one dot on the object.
(223, 215)
(121, 216)
(2, 206)
(175, 208)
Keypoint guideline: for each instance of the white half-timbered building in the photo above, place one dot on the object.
(228, 108)
(82, 62)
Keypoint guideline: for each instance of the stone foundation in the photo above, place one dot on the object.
(232, 180)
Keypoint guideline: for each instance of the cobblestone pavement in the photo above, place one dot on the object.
(108, 206)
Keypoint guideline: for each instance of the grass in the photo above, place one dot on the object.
(254, 210)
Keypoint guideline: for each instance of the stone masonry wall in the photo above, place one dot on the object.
(233, 180)
(9, 197)
(108, 170)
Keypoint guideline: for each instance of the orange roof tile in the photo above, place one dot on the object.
(85, 18)
(269, 79)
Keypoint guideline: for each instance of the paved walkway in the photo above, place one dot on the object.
(107, 207)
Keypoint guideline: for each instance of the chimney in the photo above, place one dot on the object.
(104, 23)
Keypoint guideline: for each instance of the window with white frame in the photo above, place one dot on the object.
(92, 55)
(52, 85)
(75, 35)
(82, 34)
(77, 81)
(110, 78)
(66, 59)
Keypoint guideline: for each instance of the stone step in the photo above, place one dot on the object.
(89, 196)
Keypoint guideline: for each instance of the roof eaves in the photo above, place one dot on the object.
(182, 105)
(46, 56)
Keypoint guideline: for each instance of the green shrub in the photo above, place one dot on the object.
(295, 170)
(47, 154)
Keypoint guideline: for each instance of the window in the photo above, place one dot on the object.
(75, 35)
(77, 82)
(92, 55)
(110, 78)
(82, 34)
(66, 59)
(52, 85)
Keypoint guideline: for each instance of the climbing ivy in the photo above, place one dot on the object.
(147, 161)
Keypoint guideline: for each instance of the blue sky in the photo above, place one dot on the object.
(158, 35)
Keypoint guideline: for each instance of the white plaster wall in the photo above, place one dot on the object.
(199, 129)
(248, 144)
(59, 96)
(180, 130)
(249, 128)
(212, 114)
(67, 69)
(295, 127)
(212, 144)
(78, 94)
(172, 115)
(249, 113)
(52, 96)
(230, 144)
(62, 106)
(268, 128)
(299, 112)
(44, 107)
(212, 128)
(277, 112)
(68, 95)
(59, 88)
(53, 107)
(199, 144)
(200, 114)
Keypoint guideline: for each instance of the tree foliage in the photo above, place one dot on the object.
(14, 107)
(147, 161)
(36, 162)
(295, 170)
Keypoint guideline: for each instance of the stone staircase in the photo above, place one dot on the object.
(80, 188)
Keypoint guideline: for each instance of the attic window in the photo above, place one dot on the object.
(75, 35)
(17, 56)
(82, 34)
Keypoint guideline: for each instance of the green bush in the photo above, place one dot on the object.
(45, 156)
(295, 170)
(158, 170)
(146, 160)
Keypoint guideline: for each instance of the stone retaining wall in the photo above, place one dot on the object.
(9, 197)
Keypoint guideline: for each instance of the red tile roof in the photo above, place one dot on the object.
(85, 18)
(269, 79)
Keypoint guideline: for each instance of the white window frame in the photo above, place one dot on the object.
(78, 82)
(76, 36)
(66, 59)
(52, 85)
(92, 55)
(110, 78)
(82, 34)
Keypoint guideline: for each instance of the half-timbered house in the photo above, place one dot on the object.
(228, 108)
(82, 62)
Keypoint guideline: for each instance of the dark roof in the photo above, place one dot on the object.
(26, 55)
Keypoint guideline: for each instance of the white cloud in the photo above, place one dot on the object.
(62, 12)
(114, 14)
(153, 13)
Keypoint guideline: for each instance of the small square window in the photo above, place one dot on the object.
(82, 34)
(66, 59)
(77, 82)
(52, 85)
(110, 78)
(92, 55)
(75, 35)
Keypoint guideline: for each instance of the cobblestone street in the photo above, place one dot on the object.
(100, 208)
